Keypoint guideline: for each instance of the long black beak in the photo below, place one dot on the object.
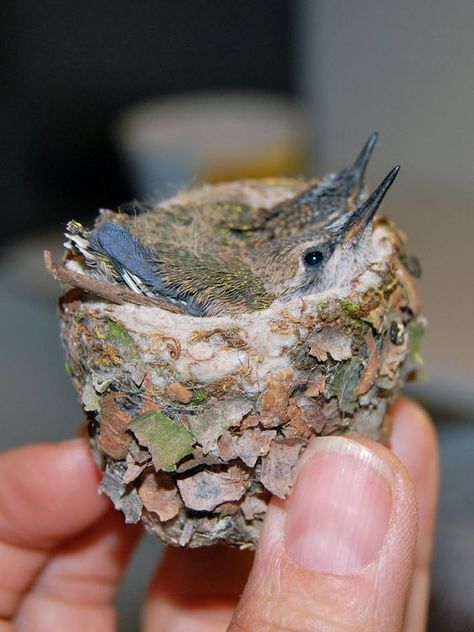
(358, 220)
(358, 168)
(329, 198)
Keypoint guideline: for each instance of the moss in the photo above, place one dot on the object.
(354, 327)
(350, 307)
(119, 337)
(108, 356)
(389, 287)
(199, 396)
(115, 330)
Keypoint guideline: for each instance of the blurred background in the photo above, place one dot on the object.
(107, 102)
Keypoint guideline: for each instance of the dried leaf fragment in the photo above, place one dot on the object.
(209, 425)
(167, 441)
(90, 398)
(205, 490)
(112, 485)
(249, 446)
(277, 466)
(311, 413)
(391, 358)
(113, 438)
(179, 393)
(275, 398)
(330, 341)
(159, 495)
(132, 506)
(134, 469)
(344, 383)
(370, 371)
(252, 506)
(295, 426)
(316, 385)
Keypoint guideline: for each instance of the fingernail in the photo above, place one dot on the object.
(339, 509)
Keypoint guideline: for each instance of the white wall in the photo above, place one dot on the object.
(406, 69)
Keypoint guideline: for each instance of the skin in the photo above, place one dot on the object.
(63, 551)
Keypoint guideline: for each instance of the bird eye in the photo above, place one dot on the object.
(313, 258)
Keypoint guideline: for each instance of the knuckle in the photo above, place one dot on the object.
(265, 613)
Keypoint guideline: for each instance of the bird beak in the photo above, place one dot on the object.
(356, 222)
(362, 160)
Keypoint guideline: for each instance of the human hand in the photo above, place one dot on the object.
(341, 554)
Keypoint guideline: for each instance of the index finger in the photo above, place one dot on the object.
(48, 494)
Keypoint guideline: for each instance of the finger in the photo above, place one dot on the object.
(75, 588)
(196, 590)
(48, 494)
(53, 541)
(415, 444)
(339, 554)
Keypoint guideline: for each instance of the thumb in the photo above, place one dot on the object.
(338, 555)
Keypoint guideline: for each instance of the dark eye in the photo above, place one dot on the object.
(313, 258)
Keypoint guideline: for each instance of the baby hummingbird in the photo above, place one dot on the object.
(210, 281)
(327, 258)
(328, 199)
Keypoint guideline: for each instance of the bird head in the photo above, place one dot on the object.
(327, 259)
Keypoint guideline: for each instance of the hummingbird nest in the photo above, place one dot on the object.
(211, 336)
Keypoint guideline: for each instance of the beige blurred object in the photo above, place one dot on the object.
(212, 137)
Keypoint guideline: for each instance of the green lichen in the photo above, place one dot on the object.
(253, 396)
(344, 382)
(167, 441)
(416, 331)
